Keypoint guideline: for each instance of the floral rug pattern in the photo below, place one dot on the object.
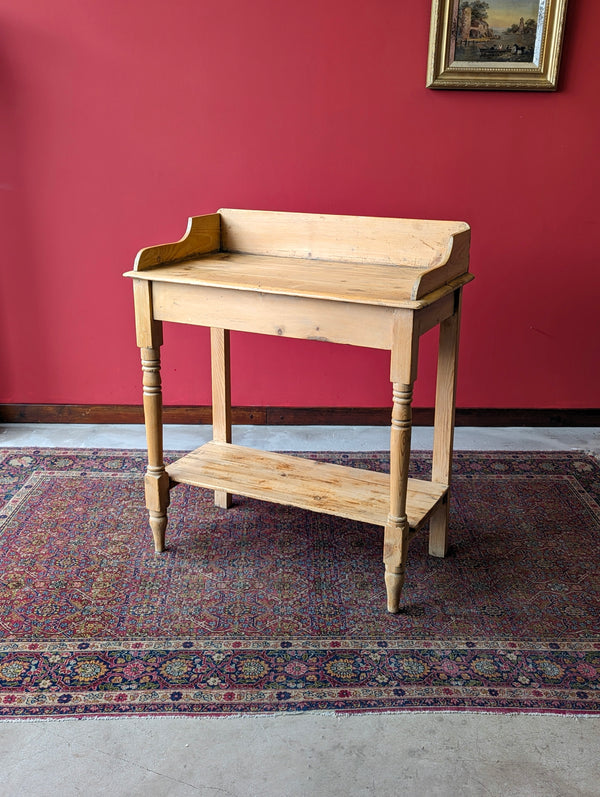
(264, 608)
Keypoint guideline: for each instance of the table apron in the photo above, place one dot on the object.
(275, 314)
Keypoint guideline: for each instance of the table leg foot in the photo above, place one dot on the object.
(158, 524)
(157, 501)
(393, 584)
(395, 552)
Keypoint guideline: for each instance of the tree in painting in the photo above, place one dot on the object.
(525, 28)
(473, 20)
(479, 9)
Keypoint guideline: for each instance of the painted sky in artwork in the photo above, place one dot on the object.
(504, 13)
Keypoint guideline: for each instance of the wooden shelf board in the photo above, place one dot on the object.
(353, 493)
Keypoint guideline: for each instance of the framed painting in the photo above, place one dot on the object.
(495, 44)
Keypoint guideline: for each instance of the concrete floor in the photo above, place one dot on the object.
(300, 438)
(313, 755)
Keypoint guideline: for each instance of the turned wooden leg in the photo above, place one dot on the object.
(221, 397)
(396, 532)
(156, 479)
(443, 438)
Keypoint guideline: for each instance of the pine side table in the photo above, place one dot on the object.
(375, 282)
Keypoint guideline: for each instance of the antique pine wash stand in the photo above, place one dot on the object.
(375, 282)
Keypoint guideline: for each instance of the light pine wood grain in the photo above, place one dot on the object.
(156, 480)
(443, 437)
(396, 529)
(203, 234)
(269, 314)
(148, 329)
(294, 481)
(221, 397)
(370, 282)
(418, 256)
(357, 239)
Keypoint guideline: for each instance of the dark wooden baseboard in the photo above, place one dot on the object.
(293, 416)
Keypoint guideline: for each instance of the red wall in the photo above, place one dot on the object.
(121, 119)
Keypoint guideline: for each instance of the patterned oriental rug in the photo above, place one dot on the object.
(264, 608)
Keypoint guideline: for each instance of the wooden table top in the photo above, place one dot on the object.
(365, 283)
(385, 262)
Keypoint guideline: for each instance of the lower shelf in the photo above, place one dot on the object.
(294, 481)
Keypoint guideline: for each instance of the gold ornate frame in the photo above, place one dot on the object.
(540, 75)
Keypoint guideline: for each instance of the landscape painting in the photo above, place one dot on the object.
(495, 44)
(496, 30)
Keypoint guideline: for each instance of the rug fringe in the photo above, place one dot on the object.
(341, 715)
